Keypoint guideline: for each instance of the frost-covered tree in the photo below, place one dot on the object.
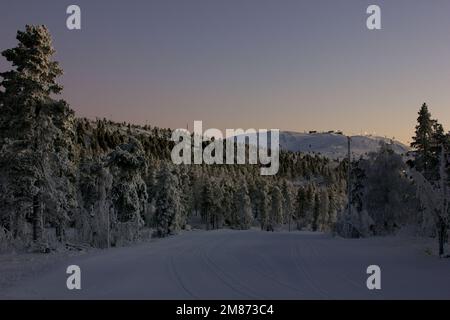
(186, 195)
(168, 202)
(95, 217)
(300, 207)
(225, 202)
(35, 132)
(211, 199)
(434, 199)
(389, 196)
(316, 212)
(422, 139)
(276, 213)
(207, 205)
(323, 207)
(129, 191)
(216, 217)
(304, 207)
(427, 141)
(34, 78)
(384, 199)
(333, 208)
(261, 203)
(287, 203)
(244, 207)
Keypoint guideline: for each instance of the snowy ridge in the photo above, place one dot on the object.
(334, 145)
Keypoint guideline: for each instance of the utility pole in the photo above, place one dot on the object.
(108, 225)
(349, 185)
(443, 218)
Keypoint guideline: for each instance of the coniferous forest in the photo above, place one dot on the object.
(68, 182)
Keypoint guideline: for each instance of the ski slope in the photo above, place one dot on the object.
(333, 145)
(228, 264)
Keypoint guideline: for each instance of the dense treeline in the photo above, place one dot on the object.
(389, 191)
(66, 179)
(71, 181)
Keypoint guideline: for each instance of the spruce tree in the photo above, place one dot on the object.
(422, 141)
(324, 204)
(33, 134)
(168, 202)
(33, 80)
(287, 203)
(309, 206)
(215, 213)
(244, 208)
(333, 207)
(316, 212)
(262, 203)
(276, 214)
(207, 202)
(300, 208)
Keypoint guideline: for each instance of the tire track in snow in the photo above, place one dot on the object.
(271, 275)
(343, 275)
(303, 268)
(268, 273)
(224, 276)
(178, 277)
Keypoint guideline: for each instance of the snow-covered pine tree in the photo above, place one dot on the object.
(227, 205)
(208, 202)
(388, 195)
(244, 207)
(422, 139)
(316, 211)
(94, 218)
(35, 138)
(261, 203)
(186, 195)
(310, 205)
(168, 202)
(215, 211)
(428, 138)
(287, 203)
(129, 191)
(434, 200)
(300, 207)
(443, 222)
(324, 206)
(333, 208)
(276, 213)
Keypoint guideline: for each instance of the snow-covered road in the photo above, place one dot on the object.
(247, 265)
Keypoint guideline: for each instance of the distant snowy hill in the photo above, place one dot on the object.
(334, 145)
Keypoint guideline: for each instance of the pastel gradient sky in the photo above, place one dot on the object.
(288, 64)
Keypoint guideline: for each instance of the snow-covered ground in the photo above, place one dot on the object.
(334, 145)
(247, 264)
